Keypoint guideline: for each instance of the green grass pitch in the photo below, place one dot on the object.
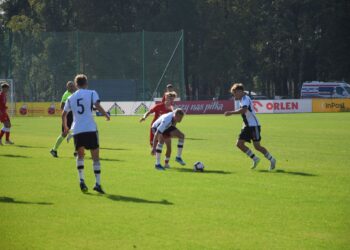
(304, 204)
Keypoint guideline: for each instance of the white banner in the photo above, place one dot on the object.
(282, 106)
(127, 108)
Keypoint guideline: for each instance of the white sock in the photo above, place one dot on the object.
(80, 167)
(97, 171)
(158, 152)
(180, 146)
(251, 155)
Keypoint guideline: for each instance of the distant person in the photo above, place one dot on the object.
(158, 110)
(251, 127)
(70, 90)
(4, 117)
(165, 127)
(84, 128)
(169, 88)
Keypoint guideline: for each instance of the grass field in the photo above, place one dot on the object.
(304, 204)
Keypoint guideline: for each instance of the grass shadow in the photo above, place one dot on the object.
(195, 139)
(109, 159)
(130, 199)
(14, 156)
(115, 149)
(26, 146)
(190, 170)
(281, 171)
(12, 200)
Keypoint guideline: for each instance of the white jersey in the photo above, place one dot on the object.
(163, 122)
(81, 104)
(249, 117)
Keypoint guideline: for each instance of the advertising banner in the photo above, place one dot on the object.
(283, 106)
(330, 105)
(205, 107)
(38, 109)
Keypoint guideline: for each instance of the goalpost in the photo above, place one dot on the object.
(10, 97)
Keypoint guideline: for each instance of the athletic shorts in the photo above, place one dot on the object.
(4, 117)
(166, 133)
(88, 140)
(69, 120)
(250, 133)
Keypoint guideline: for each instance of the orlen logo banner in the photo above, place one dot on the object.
(282, 106)
(330, 105)
(205, 107)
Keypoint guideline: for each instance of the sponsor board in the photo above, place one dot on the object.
(330, 105)
(282, 106)
(205, 107)
(38, 109)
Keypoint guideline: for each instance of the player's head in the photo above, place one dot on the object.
(81, 81)
(170, 96)
(237, 90)
(70, 86)
(5, 87)
(178, 115)
(169, 87)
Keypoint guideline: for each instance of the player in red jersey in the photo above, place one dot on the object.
(169, 88)
(4, 117)
(158, 110)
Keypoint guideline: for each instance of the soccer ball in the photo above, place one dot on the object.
(198, 166)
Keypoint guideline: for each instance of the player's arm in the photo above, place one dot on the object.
(102, 111)
(62, 105)
(64, 121)
(236, 112)
(145, 116)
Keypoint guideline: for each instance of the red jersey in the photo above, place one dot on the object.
(158, 110)
(3, 106)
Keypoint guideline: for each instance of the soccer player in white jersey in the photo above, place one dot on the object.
(251, 126)
(164, 128)
(84, 128)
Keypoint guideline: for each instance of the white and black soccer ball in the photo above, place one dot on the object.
(198, 166)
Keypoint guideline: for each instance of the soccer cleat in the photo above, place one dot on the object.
(83, 187)
(255, 163)
(166, 165)
(9, 142)
(273, 164)
(179, 160)
(54, 153)
(159, 167)
(98, 188)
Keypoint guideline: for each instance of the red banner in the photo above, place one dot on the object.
(205, 107)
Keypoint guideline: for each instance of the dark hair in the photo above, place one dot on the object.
(80, 80)
(179, 112)
(169, 85)
(5, 85)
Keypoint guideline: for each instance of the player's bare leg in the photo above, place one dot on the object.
(95, 155)
(80, 167)
(6, 130)
(168, 152)
(181, 136)
(267, 155)
(241, 145)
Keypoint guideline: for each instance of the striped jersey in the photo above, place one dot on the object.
(249, 117)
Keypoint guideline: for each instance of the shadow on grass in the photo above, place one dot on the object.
(195, 139)
(14, 156)
(190, 170)
(131, 199)
(114, 148)
(281, 171)
(12, 200)
(109, 159)
(26, 146)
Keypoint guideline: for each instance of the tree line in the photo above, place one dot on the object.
(270, 46)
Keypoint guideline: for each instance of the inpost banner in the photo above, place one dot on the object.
(330, 105)
(38, 109)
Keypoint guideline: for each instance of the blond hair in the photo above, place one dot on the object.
(80, 80)
(237, 86)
